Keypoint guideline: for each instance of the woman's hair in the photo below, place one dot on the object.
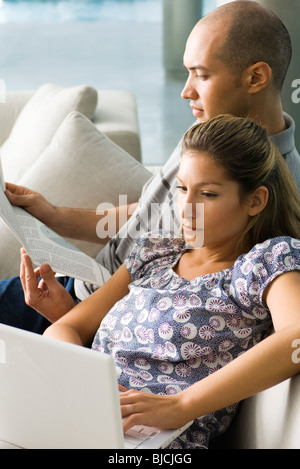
(248, 156)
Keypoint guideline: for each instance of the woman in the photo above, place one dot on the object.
(185, 320)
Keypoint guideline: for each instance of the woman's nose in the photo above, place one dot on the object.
(188, 210)
(193, 211)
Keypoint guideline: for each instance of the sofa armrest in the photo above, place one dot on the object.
(269, 420)
(9, 111)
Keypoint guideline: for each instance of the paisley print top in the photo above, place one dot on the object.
(168, 333)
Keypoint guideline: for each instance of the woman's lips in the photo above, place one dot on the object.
(189, 228)
(197, 112)
(193, 236)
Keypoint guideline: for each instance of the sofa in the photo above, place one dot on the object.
(80, 147)
(77, 146)
(269, 420)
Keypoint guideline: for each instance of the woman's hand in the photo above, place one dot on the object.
(47, 296)
(142, 408)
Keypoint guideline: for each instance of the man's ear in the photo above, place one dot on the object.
(259, 76)
(257, 201)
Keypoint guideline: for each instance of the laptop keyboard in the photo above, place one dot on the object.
(138, 434)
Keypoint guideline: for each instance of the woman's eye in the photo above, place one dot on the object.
(209, 195)
(181, 188)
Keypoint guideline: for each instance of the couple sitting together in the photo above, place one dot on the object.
(199, 319)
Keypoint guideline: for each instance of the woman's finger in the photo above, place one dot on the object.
(122, 388)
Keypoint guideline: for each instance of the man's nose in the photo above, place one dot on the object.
(188, 91)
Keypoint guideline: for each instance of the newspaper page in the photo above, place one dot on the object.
(43, 245)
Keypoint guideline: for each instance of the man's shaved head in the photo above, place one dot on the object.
(252, 34)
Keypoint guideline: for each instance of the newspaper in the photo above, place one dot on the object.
(43, 245)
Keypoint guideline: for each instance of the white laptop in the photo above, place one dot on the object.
(58, 395)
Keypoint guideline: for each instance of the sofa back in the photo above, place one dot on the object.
(116, 116)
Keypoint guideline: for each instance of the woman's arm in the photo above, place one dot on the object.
(80, 325)
(263, 366)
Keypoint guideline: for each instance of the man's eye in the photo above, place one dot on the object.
(181, 188)
(202, 77)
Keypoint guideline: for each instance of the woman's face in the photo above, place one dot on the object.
(209, 204)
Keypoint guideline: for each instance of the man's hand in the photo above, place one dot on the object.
(31, 201)
(75, 223)
(47, 296)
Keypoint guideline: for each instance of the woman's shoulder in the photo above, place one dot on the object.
(254, 271)
(280, 253)
(278, 246)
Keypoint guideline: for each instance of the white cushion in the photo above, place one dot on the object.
(37, 123)
(81, 168)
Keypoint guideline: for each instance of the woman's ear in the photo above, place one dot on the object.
(257, 201)
(259, 77)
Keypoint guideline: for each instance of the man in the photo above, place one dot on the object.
(243, 77)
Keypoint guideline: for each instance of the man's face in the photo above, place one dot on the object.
(211, 87)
